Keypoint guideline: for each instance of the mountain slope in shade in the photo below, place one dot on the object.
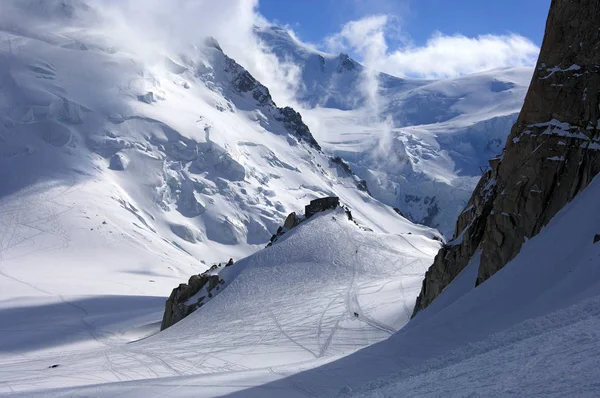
(421, 145)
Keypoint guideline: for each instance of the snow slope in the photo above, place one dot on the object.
(141, 164)
(419, 144)
(125, 168)
(122, 173)
(290, 305)
(531, 329)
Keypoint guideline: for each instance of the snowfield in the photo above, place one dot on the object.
(290, 305)
(126, 167)
(123, 171)
(532, 329)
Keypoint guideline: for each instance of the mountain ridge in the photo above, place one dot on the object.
(551, 154)
(419, 144)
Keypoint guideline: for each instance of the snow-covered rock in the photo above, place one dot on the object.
(187, 298)
(551, 155)
(291, 304)
(196, 139)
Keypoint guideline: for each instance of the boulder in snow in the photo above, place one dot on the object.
(187, 298)
(291, 221)
(321, 204)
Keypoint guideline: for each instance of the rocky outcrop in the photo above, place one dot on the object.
(292, 121)
(321, 204)
(291, 221)
(147, 98)
(345, 168)
(552, 153)
(345, 63)
(315, 206)
(187, 298)
(118, 162)
(244, 82)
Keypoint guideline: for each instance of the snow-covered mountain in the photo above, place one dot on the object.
(126, 167)
(531, 329)
(286, 307)
(183, 156)
(421, 145)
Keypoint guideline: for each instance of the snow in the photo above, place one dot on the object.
(199, 175)
(557, 68)
(124, 173)
(333, 267)
(531, 329)
(420, 144)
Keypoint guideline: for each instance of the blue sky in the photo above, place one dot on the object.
(314, 20)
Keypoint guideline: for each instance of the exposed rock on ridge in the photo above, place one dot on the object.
(187, 298)
(552, 153)
(244, 82)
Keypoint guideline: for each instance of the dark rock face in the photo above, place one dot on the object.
(311, 209)
(117, 162)
(361, 185)
(291, 221)
(344, 166)
(293, 122)
(346, 63)
(148, 98)
(178, 305)
(212, 42)
(552, 153)
(321, 204)
(244, 82)
(397, 210)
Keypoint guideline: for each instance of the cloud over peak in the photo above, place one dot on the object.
(441, 56)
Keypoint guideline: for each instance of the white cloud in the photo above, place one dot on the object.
(153, 28)
(449, 56)
(168, 25)
(367, 38)
(442, 55)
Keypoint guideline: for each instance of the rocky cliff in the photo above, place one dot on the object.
(552, 153)
(243, 82)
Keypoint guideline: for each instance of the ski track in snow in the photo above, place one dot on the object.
(88, 252)
(111, 359)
